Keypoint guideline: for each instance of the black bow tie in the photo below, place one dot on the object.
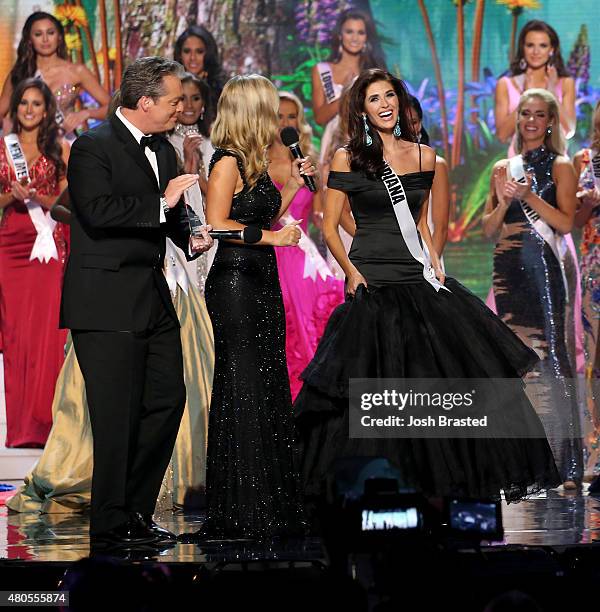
(152, 142)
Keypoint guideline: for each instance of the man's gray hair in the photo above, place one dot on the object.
(144, 77)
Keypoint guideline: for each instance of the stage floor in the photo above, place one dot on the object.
(556, 518)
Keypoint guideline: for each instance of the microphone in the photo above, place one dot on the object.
(249, 235)
(226, 234)
(291, 139)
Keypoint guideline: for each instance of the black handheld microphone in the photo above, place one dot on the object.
(226, 234)
(249, 235)
(291, 139)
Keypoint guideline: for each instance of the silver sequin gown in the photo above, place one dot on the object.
(531, 299)
(252, 489)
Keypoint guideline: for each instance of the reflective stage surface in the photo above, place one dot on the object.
(556, 518)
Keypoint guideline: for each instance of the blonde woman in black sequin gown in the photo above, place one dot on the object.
(252, 490)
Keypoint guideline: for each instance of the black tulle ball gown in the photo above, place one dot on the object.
(252, 488)
(400, 327)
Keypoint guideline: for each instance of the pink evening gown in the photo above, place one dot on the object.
(310, 291)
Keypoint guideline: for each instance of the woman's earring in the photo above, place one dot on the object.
(202, 115)
(397, 129)
(551, 59)
(549, 130)
(368, 139)
(523, 64)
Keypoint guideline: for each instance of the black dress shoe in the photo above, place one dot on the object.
(595, 486)
(132, 532)
(161, 534)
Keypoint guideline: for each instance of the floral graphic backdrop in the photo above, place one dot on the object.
(450, 52)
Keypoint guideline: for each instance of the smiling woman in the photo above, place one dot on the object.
(42, 53)
(33, 250)
(197, 51)
(538, 63)
(405, 319)
(532, 204)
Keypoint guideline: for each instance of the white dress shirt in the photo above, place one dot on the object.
(150, 154)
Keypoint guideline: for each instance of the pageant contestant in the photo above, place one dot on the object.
(588, 217)
(42, 53)
(197, 51)
(252, 490)
(402, 322)
(191, 136)
(353, 49)
(126, 199)
(310, 290)
(191, 141)
(538, 64)
(33, 252)
(529, 282)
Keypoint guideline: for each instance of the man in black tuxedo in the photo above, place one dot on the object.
(126, 197)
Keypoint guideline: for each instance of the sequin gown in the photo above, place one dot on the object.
(252, 490)
(400, 327)
(590, 286)
(33, 345)
(572, 272)
(531, 299)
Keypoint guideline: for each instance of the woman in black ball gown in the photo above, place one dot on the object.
(252, 488)
(399, 322)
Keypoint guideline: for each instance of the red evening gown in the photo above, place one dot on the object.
(33, 345)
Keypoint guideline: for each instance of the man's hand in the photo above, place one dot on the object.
(177, 186)
(203, 242)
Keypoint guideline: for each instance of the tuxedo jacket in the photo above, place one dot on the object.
(117, 240)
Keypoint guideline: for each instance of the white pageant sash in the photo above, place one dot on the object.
(326, 77)
(554, 240)
(175, 270)
(407, 225)
(313, 261)
(44, 247)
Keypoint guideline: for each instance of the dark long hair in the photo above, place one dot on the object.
(209, 114)
(535, 25)
(423, 136)
(370, 159)
(373, 55)
(26, 65)
(212, 62)
(48, 140)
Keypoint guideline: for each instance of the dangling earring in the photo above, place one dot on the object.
(202, 115)
(368, 139)
(397, 128)
(551, 59)
(549, 130)
(523, 64)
